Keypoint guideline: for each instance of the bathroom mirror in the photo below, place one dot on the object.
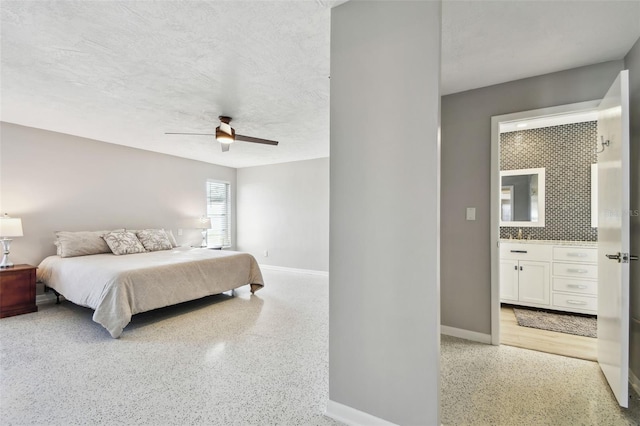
(522, 197)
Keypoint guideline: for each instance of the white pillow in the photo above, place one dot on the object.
(123, 242)
(154, 239)
(174, 243)
(81, 243)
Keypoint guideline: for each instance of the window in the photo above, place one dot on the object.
(219, 211)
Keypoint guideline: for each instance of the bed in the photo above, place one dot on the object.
(117, 287)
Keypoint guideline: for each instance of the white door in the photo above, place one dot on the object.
(613, 237)
(534, 282)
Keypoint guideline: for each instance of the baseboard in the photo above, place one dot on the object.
(635, 382)
(466, 334)
(353, 417)
(299, 271)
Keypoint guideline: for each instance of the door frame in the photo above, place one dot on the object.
(496, 120)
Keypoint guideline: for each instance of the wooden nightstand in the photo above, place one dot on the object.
(17, 290)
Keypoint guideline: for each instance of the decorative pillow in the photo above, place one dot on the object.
(123, 243)
(154, 239)
(80, 243)
(174, 243)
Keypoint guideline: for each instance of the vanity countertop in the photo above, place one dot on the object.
(553, 242)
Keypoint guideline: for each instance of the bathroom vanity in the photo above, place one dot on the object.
(559, 275)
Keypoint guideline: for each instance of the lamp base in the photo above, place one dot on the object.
(204, 243)
(6, 244)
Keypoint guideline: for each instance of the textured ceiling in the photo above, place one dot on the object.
(125, 72)
(491, 42)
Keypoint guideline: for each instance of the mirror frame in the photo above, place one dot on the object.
(541, 197)
(594, 195)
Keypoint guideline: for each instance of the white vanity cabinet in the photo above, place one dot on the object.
(553, 276)
(575, 279)
(525, 274)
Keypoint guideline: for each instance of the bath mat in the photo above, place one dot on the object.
(562, 323)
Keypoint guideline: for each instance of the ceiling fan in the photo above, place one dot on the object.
(226, 135)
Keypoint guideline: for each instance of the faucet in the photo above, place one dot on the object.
(520, 233)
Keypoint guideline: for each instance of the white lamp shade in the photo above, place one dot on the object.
(204, 222)
(10, 227)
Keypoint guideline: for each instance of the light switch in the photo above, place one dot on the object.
(471, 213)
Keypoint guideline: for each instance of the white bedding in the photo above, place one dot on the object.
(117, 287)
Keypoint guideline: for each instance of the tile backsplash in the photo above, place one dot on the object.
(566, 152)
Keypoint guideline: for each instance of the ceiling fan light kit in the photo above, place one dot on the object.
(222, 137)
(224, 132)
(226, 135)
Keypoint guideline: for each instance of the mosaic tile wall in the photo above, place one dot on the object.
(566, 152)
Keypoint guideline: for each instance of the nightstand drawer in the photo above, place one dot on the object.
(13, 290)
(17, 290)
(575, 270)
(575, 286)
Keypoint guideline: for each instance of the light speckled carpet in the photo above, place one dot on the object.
(562, 323)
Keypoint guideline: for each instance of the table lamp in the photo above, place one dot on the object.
(9, 227)
(204, 223)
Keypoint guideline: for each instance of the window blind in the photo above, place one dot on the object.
(219, 211)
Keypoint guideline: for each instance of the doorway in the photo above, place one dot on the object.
(547, 265)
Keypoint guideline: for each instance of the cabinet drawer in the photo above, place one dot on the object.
(575, 254)
(521, 251)
(575, 270)
(575, 286)
(574, 301)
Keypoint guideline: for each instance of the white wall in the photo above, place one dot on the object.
(284, 209)
(384, 212)
(55, 181)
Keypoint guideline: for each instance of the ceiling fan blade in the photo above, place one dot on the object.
(198, 134)
(225, 127)
(225, 147)
(244, 138)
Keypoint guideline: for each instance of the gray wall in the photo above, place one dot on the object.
(466, 164)
(55, 181)
(284, 209)
(632, 63)
(384, 278)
